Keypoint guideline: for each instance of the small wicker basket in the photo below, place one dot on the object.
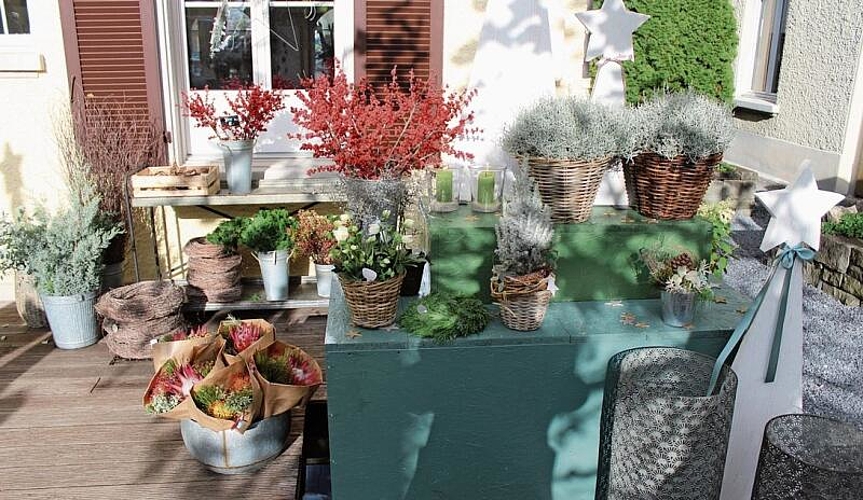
(372, 303)
(523, 301)
(568, 187)
(669, 189)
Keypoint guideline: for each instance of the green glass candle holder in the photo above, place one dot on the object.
(445, 188)
(486, 187)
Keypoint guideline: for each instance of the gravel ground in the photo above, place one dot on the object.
(832, 332)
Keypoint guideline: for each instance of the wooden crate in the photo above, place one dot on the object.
(176, 181)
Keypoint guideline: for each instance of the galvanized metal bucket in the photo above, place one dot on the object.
(229, 452)
(237, 157)
(324, 278)
(274, 272)
(678, 309)
(72, 319)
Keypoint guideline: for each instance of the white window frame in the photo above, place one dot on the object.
(745, 96)
(17, 56)
(170, 15)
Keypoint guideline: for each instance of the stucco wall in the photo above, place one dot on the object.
(822, 46)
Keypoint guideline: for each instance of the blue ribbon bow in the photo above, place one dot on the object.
(786, 259)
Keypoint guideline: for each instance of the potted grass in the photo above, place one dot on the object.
(268, 235)
(567, 143)
(522, 280)
(314, 238)
(683, 281)
(370, 264)
(679, 140)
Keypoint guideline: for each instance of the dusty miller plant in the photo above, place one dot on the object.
(684, 123)
(566, 128)
(524, 231)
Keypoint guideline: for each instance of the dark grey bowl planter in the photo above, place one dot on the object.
(660, 436)
(229, 452)
(809, 457)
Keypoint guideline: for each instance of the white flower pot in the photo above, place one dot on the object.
(324, 277)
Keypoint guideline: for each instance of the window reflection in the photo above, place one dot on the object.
(301, 44)
(220, 47)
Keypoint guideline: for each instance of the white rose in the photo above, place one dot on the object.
(341, 233)
(374, 229)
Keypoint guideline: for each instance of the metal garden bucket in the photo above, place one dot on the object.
(72, 319)
(274, 272)
(678, 309)
(237, 157)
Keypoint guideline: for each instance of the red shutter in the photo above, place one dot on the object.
(111, 52)
(407, 33)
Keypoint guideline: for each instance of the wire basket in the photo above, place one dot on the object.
(372, 303)
(669, 189)
(568, 187)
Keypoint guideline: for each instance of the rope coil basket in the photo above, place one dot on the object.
(214, 274)
(669, 189)
(372, 303)
(568, 187)
(137, 313)
(524, 300)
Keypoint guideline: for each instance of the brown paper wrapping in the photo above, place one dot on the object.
(163, 351)
(268, 337)
(279, 398)
(221, 376)
(188, 353)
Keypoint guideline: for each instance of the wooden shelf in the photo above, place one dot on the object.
(260, 196)
(300, 295)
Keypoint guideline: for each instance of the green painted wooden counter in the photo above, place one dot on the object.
(597, 259)
(500, 415)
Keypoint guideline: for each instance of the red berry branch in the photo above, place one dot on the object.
(371, 137)
(252, 108)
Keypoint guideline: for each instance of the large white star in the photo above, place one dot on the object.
(611, 29)
(796, 212)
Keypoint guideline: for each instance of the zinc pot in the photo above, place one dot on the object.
(274, 272)
(27, 301)
(229, 452)
(678, 309)
(112, 276)
(324, 277)
(237, 157)
(72, 319)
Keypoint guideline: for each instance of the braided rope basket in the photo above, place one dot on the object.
(568, 187)
(372, 303)
(669, 189)
(523, 300)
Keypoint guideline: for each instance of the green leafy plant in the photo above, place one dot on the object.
(685, 44)
(719, 216)
(565, 128)
(227, 234)
(682, 123)
(376, 252)
(524, 231)
(268, 230)
(850, 225)
(444, 317)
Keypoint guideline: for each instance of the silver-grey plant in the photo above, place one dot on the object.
(683, 123)
(566, 128)
(524, 231)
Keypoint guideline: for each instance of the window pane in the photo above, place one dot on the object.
(771, 39)
(220, 49)
(301, 44)
(17, 17)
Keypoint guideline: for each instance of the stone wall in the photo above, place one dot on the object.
(838, 269)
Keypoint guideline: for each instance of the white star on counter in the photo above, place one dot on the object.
(611, 29)
(796, 212)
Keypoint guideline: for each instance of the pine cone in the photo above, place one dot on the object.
(682, 260)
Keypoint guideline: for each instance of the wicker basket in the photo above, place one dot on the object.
(568, 187)
(670, 189)
(523, 301)
(372, 303)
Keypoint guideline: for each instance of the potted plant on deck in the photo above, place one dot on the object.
(679, 141)
(568, 143)
(250, 110)
(375, 137)
(268, 235)
(314, 238)
(522, 280)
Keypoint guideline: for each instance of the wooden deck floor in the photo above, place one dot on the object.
(72, 425)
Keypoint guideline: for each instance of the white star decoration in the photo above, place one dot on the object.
(611, 29)
(796, 212)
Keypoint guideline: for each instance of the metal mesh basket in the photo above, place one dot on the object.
(660, 436)
(809, 457)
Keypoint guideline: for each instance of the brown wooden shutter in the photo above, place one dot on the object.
(112, 52)
(407, 33)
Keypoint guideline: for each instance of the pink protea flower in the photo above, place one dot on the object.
(244, 335)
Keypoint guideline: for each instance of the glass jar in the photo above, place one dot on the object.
(486, 187)
(444, 188)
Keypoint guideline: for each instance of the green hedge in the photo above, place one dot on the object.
(685, 44)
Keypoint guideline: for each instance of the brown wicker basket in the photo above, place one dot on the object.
(568, 187)
(523, 301)
(670, 189)
(214, 275)
(372, 304)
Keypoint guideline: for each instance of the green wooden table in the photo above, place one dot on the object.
(500, 415)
